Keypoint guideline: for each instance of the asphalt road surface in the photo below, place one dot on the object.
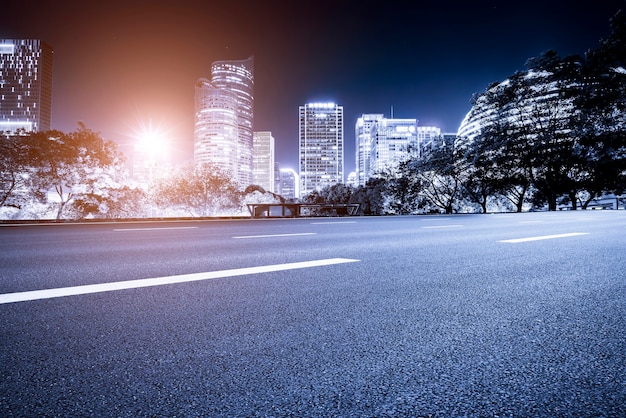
(444, 316)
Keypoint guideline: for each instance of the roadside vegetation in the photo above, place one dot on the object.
(553, 134)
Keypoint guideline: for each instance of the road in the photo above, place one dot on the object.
(464, 315)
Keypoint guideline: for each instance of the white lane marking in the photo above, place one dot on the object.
(275, 235)
(159, 281)
(435, 219)
(517, 240)
(333, 223)
(441, 226)
(154, 229)
(531, 222)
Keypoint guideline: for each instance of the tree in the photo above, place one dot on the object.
(476, 163)
(528, 139)
(338, 193)
(372, 196)
(435, 181)
(200, 190)
(13, 171)
(69, 165)
(602, 116)
(403, 189)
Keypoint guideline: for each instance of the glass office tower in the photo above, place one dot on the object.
(218, 138)
(321, 146)
(25, 85)
(263, 166)
(216, 131)
(392, 141)
(363, 136)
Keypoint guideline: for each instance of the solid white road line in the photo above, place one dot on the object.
(275, 235)
(159, 281)
(154, 229)
(515, 241)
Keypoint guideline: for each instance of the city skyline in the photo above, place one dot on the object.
(120, 64)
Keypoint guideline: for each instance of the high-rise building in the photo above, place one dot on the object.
(321, 146)
(224, 118)
(428, 137)
(382, 143)
(363, 136)
(289, 184)
(25, 85)
(277, 185)
(392, 141)
(263, 160)
(215, 132)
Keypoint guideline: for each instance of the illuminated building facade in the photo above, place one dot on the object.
(320, 146)
(25, 85)
(382, 143)
(363, 136)
(216, 132)
(223, 133)
(544, 103)
(289, 184)
(263, 164)
(429, 137)
(392, 141)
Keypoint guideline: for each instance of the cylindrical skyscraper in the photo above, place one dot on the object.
(218, 138)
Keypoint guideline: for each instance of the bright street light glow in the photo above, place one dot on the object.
(152, 140)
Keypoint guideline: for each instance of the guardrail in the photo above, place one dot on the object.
(297, 210)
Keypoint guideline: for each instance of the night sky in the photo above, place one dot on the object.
(121, 64)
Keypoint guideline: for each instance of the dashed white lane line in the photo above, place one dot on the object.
(275, 235)
(154, 229)
(333, 222)
(542, 237)
(442, 226)
(159, 281)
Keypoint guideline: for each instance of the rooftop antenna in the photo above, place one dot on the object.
(391, 111)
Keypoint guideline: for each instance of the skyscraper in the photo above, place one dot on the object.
(263, 166)
(392, 141)
(382, 143)
(224, 116)
(216, 132)
(320, 146)
(25, 85)
(363, 136)
(289, 184)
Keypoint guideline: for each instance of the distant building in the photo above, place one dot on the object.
(263, 160)
(392, 141)
(427, 138)
(223, 118)
(289, 184)
(382, 143)
(320, 146)
(351, 180)
(363, 136)
(25, 85)
(277, 186)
